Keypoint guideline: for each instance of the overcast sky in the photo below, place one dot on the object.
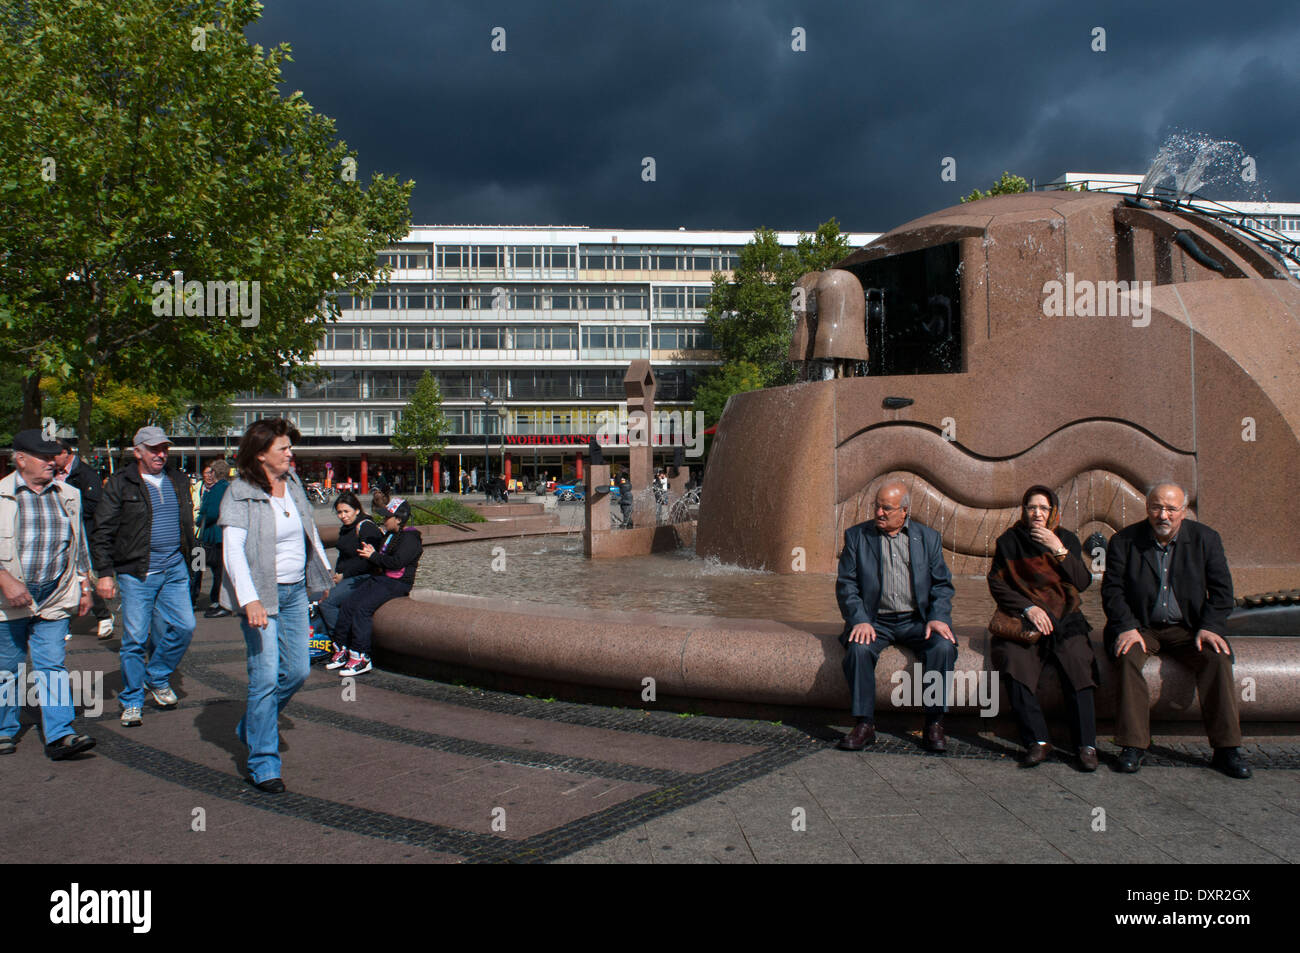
(745, 131)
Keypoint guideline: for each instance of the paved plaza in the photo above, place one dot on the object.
(412, 770)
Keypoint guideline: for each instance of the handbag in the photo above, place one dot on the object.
(1004, 625)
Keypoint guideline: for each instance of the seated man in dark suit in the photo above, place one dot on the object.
(1167, 591)
(894, 588)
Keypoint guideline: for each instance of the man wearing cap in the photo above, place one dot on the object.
(71, 470)
(44, 578)
(144, 533)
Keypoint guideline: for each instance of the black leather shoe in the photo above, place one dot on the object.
(935, 740)
(1231, 762)
(1088, 758)
(863, 734)
(1130, 759)
(67, 746)
(1036, 754)
(270, 785)
(215, 612)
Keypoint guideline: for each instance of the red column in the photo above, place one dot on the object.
(507, 473)
(365, 477)
(437, 473)
(577, 463)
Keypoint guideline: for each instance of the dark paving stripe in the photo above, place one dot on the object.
(664, 724)
(584, 832)
(481, 750)
(344, 817)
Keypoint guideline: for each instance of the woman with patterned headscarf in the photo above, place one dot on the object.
(1038, 572)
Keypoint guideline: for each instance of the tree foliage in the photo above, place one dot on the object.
(714, 390)
(423, 424)
(1007, 185)
(143, 141)
(121, 408)
(749, 317)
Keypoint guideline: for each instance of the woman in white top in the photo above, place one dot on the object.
(273, 556)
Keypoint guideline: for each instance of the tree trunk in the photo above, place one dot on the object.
(31, 401)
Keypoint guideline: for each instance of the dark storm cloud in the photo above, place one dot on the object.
(744, 131)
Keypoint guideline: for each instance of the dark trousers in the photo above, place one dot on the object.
(937, 654)
(1214, 685)
(212, 560)
(1080, 712)
(329, 606)
(213, 554)
(98, 607)
(357, 612)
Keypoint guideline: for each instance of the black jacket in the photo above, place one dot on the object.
(405, 547)
(87, 481)
(349, 563)
(1199, 575)
(119, 542)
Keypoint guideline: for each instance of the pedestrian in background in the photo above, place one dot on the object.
(74, 472)
(216, 480)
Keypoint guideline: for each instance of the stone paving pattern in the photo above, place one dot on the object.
(412, 770)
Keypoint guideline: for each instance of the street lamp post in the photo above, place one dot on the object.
(198, 420)
(487, 452)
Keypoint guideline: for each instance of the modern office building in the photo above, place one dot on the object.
(529, 331)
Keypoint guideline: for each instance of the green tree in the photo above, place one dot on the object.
(717, 387)
(1007, 185)
(749, 317)
(422, 425)
(11, 403)
(148, 143)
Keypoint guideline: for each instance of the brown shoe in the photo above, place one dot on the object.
(863, 734)
(1037, 754)
(1088, 758)
(935, 740)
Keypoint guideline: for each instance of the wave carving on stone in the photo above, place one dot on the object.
(1095, 500)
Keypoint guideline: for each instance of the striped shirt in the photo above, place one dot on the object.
(165, 533)
(44, 535)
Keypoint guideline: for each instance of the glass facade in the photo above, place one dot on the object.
(542, 318)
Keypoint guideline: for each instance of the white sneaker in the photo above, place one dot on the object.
(163, 697)
(338, 659)
(106, 628)
(131, 717)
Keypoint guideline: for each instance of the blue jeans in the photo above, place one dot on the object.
(167, 594)
(44, 637)
(330, 605)
(278, 664)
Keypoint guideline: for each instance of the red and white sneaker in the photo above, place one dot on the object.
(358, 664)
(339, 658)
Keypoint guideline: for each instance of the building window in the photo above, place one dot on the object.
(691, 337)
